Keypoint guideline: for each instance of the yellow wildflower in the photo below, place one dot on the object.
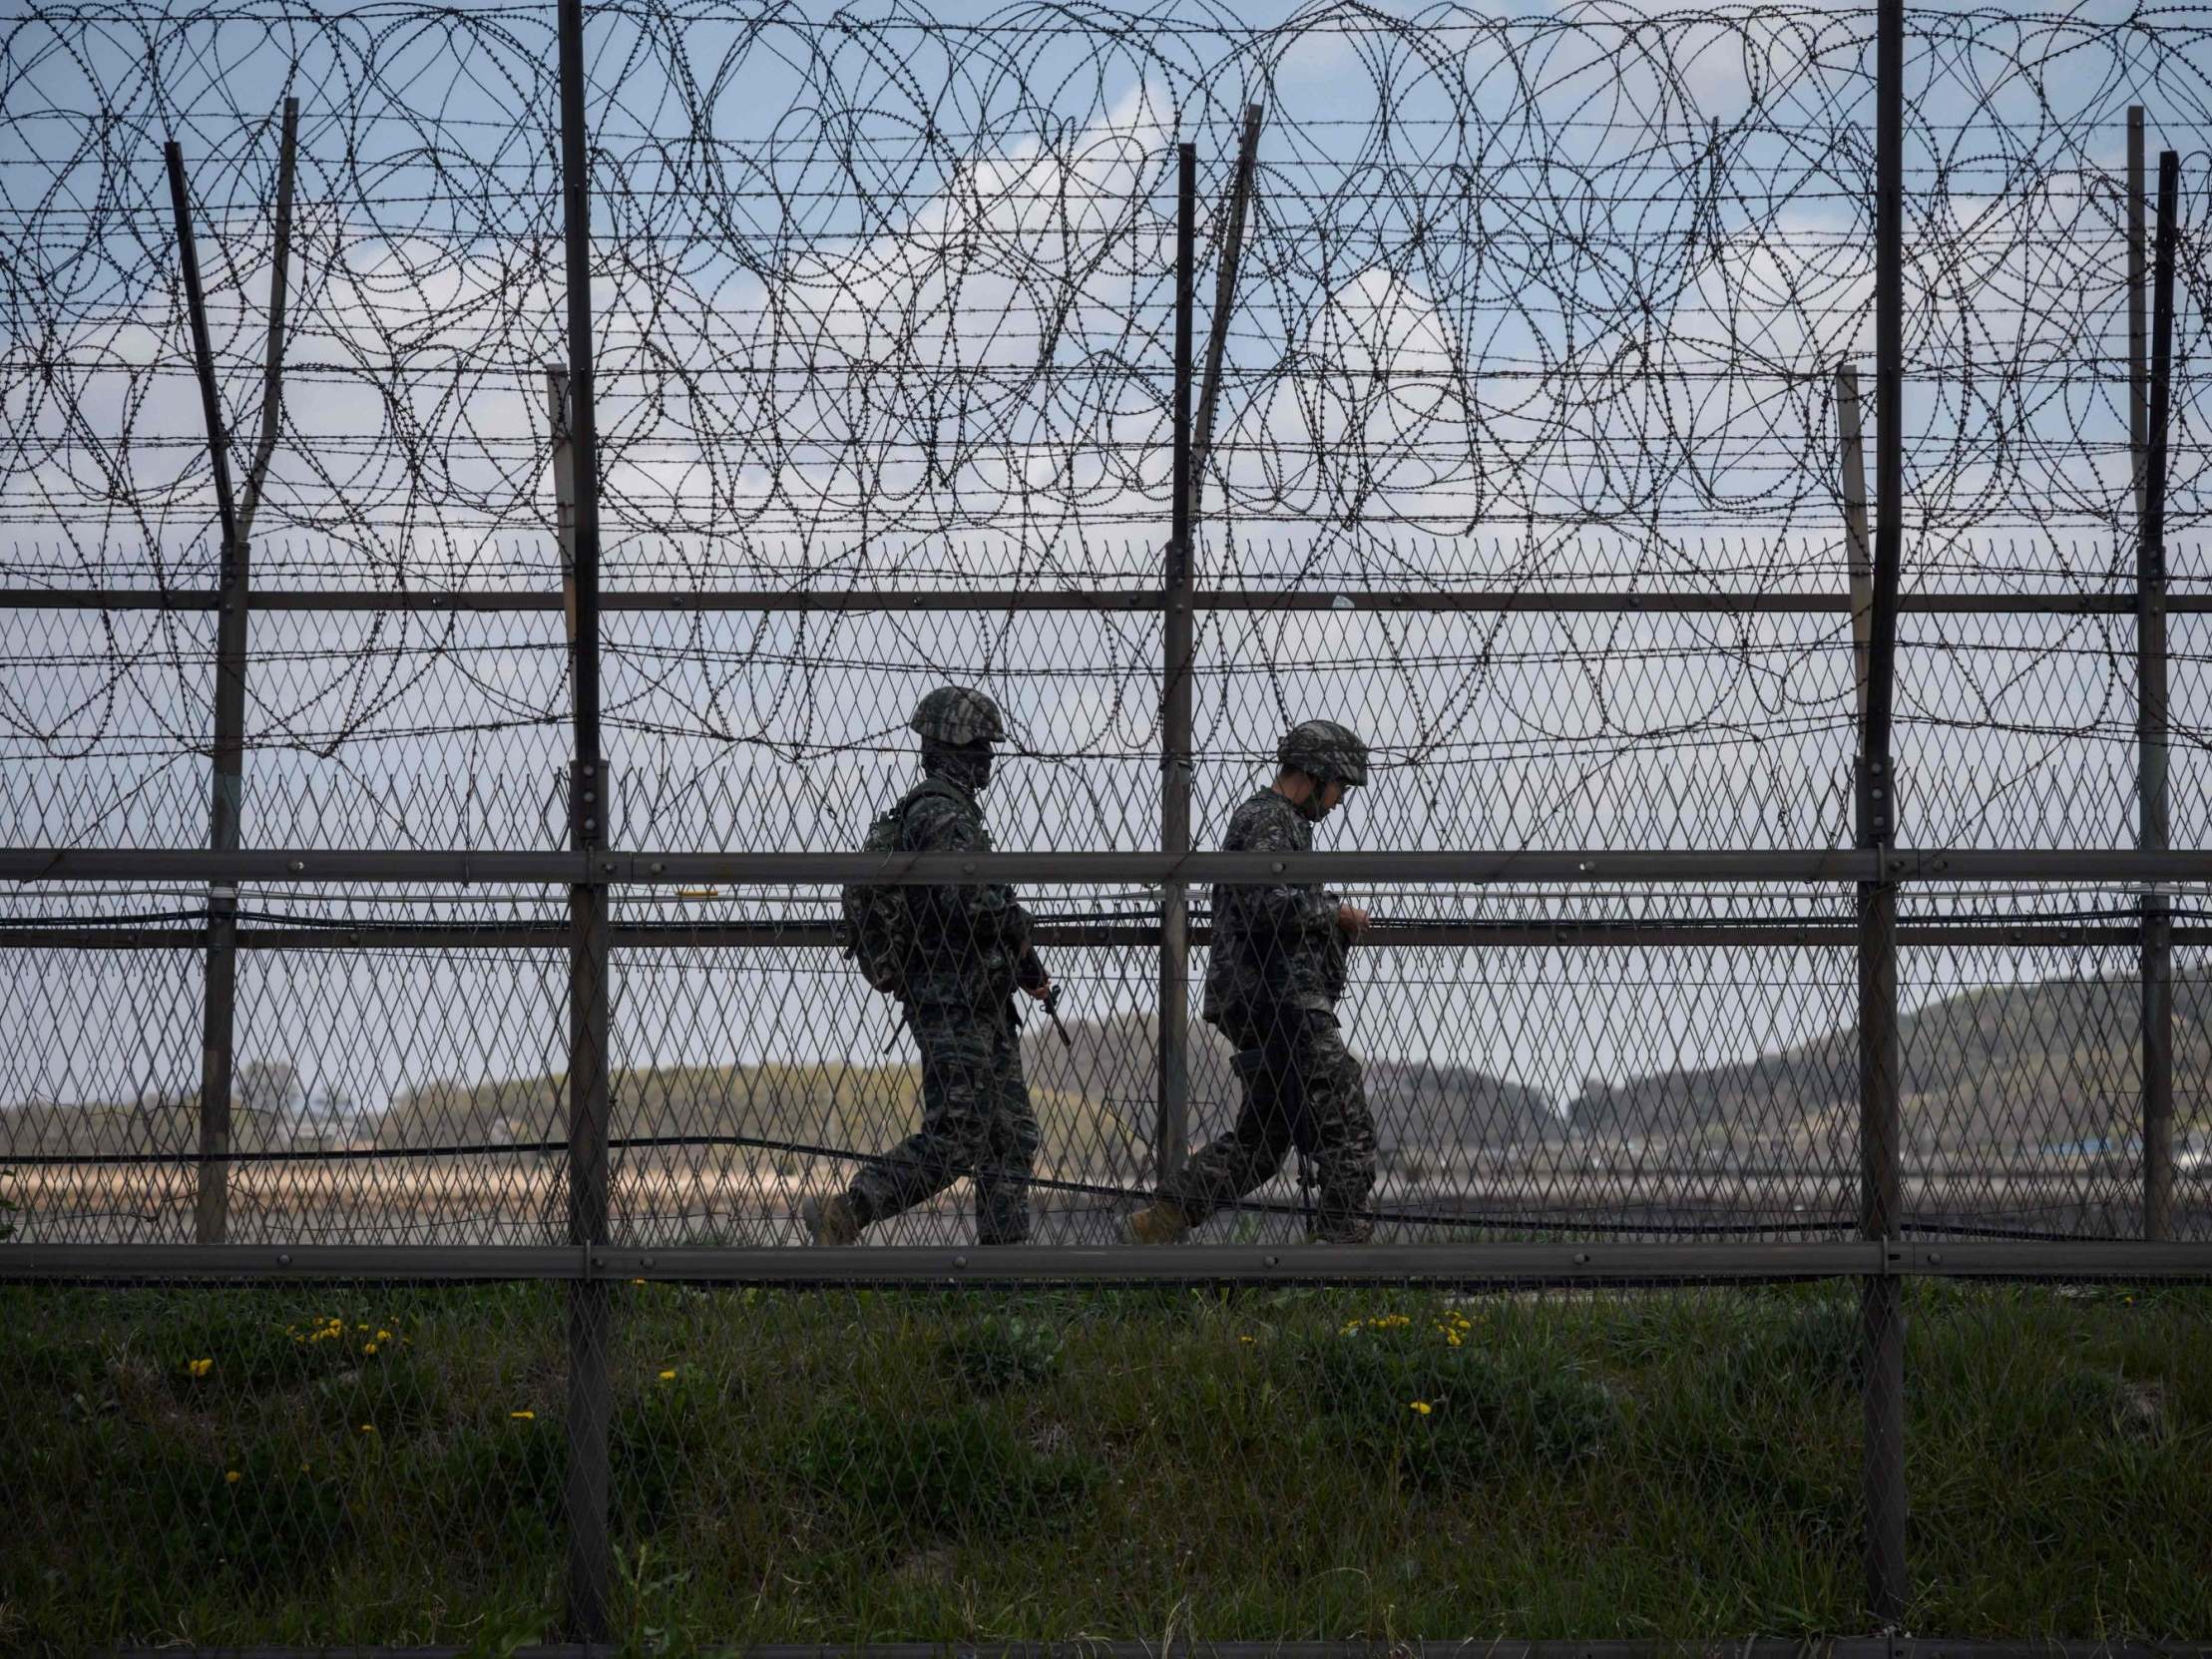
(368, 1427)
(369, 1348)
(526, 1417)
(1244, 1339)
(667, 1376)
(233, 1476)
(383, 1336)
(1420, 1406)
(199, 1368)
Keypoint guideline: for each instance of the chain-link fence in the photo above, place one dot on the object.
(555, 1097)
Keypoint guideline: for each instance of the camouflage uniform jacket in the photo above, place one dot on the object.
(969, 941)
(1275, 945)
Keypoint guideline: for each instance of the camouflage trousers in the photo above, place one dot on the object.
(975, 1121)
(1301, 1089)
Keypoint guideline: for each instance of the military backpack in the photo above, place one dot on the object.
(878, 931)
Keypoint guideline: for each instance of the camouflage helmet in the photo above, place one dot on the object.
(958, 714)
(1325, 750)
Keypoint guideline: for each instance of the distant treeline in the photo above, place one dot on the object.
(2015, 1066)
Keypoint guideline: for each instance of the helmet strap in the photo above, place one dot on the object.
(1310, 807)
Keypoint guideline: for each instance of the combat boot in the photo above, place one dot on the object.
(830, 1220)
(1157, 1223)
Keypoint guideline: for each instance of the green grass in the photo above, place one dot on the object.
(862, 1466)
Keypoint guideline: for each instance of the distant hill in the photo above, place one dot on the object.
(788, 1108)
(1415, 1103)
(1420, 1104)
(268, 1109)
(2028, 1066)
(2015, 1066)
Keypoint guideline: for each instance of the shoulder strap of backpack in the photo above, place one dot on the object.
(925, 788)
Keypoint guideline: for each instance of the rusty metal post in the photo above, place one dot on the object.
(590, 1313)
(1171, 1134)
(1879, 1201)
(2151, 723)
(218, 1010)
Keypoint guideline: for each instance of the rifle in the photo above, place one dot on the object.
(1051, 1012)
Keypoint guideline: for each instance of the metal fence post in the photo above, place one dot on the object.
(2138, 313)
(272, 367)
(1880, 1300)
(218, 1010)
(1225, 302)
(2151, 722)
(590, 1563)
(1192, 441)
(1172, 1132)
(1858, 557)
(563, 490)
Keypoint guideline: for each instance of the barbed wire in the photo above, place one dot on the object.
(1525, 303)
(867, 281)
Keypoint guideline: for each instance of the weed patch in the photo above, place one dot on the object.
(964, 1472)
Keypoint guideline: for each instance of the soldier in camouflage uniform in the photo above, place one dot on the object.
(1274, 976)
(969, 951)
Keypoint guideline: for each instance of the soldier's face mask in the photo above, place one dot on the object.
(967, 764)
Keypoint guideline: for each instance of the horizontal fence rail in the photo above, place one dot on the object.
(984, 601)
(1484, 1262)
(1903, 864)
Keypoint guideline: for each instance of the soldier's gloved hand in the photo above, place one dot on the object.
(1032, 978)
(1351, 920)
